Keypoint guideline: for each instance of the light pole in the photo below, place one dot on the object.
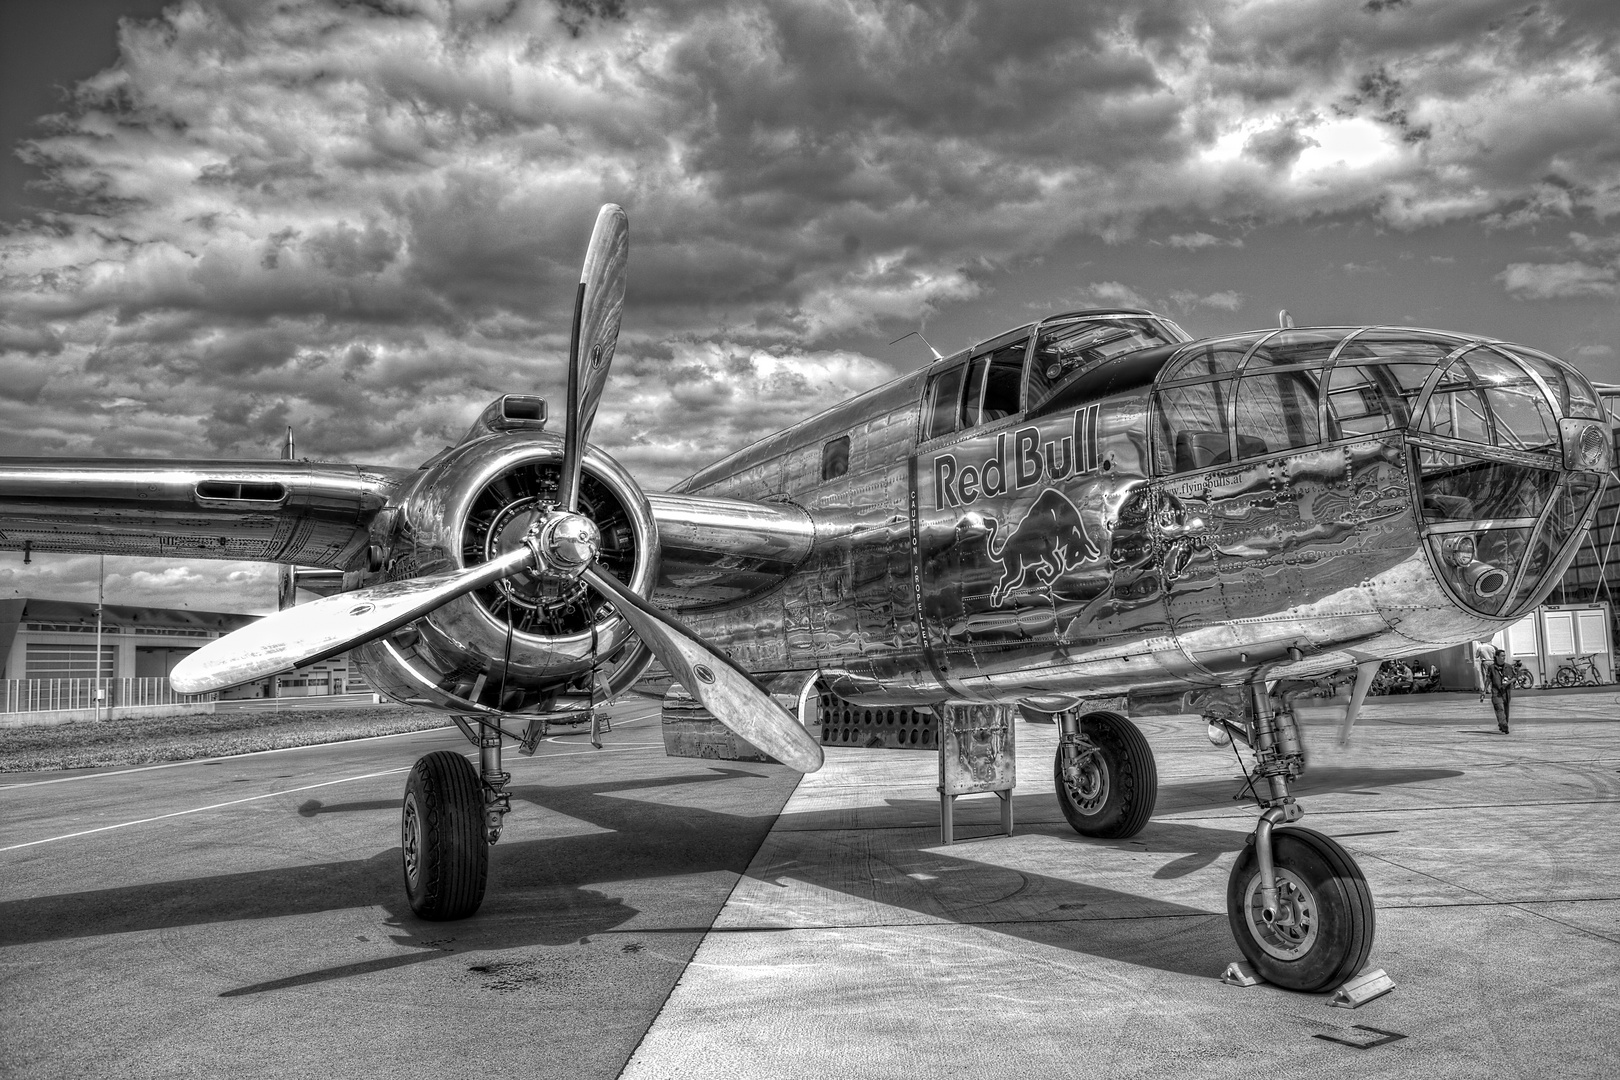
(101, 596)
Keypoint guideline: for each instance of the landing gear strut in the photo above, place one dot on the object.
(451, 815)
(1105, 776)
(1298, 904)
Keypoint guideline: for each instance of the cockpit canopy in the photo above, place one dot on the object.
(1509, 444)
(1071, 352)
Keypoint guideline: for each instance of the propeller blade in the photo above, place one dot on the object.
(726, 690)
(598, 306)
(322, 628)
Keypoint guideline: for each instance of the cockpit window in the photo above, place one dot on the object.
(1064, 348)
(994, 381)
(1457, 487)
(1398, 344)
(1276, 411)
(1368, 398)
(944, 393)
(1220, 358)
(1575, 396)
(1296, 347)
(1192, 431)
(1483, 397)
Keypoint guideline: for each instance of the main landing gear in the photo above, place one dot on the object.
(1298, 904)
(1106, 780)
(451, 815)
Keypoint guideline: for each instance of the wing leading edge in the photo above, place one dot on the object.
(311, 513)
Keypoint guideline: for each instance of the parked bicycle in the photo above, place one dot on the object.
(1580, 671)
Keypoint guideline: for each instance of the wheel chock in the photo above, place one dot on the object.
(1240, 973)
(1362, 989)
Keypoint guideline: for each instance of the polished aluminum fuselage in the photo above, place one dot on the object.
(1080, 573)
(1046, 556)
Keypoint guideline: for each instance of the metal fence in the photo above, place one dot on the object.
(51, 695)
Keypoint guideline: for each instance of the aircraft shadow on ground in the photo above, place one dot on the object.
(550, 891)
(1318, 780)
(540, 891)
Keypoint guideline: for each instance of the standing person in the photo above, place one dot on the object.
(1484, 657)
(1500, 681)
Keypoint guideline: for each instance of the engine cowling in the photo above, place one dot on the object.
(528, 643)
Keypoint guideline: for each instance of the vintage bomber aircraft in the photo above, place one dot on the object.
(1091, 507)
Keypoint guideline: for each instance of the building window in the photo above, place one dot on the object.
(835, 458)
(45, 661)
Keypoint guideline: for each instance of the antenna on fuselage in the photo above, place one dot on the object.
(918, 333)
(1285, 321)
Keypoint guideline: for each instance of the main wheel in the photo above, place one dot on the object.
(1107, 786)
(1323, 931)
(442, 837)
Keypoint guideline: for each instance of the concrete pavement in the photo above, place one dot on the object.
(244, 917)
(252, 923)
(857, 945)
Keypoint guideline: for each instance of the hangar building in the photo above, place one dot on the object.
(48, 655)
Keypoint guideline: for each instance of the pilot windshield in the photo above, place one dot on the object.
(1066, 347)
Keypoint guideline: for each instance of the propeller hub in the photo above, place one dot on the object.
(565, 544)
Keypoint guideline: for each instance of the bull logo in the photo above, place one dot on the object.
(1048, 543)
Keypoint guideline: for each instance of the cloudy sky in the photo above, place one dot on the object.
(221, 217)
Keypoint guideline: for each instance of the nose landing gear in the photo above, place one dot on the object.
(1298, 904)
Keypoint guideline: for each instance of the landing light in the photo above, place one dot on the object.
(1460, 551)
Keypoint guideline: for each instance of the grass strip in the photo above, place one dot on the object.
(154, 739)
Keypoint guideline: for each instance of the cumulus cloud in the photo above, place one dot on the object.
(705, 398)
(1225, 300)
(364, 220)
(1108, 294)
(1550, 281)
(202, 586)
(1194, 240)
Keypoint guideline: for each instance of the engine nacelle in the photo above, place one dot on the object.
(529, 643)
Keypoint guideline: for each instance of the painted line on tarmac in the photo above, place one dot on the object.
(287, 791)
(200, 809)
(215, 760)
(252, 753)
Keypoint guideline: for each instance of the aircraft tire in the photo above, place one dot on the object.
(1330, 931)
(442, 847)
(1119, 784)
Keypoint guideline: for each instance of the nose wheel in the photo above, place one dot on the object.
(1320, 931)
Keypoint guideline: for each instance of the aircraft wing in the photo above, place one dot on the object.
(311, 513)
(318, 514)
